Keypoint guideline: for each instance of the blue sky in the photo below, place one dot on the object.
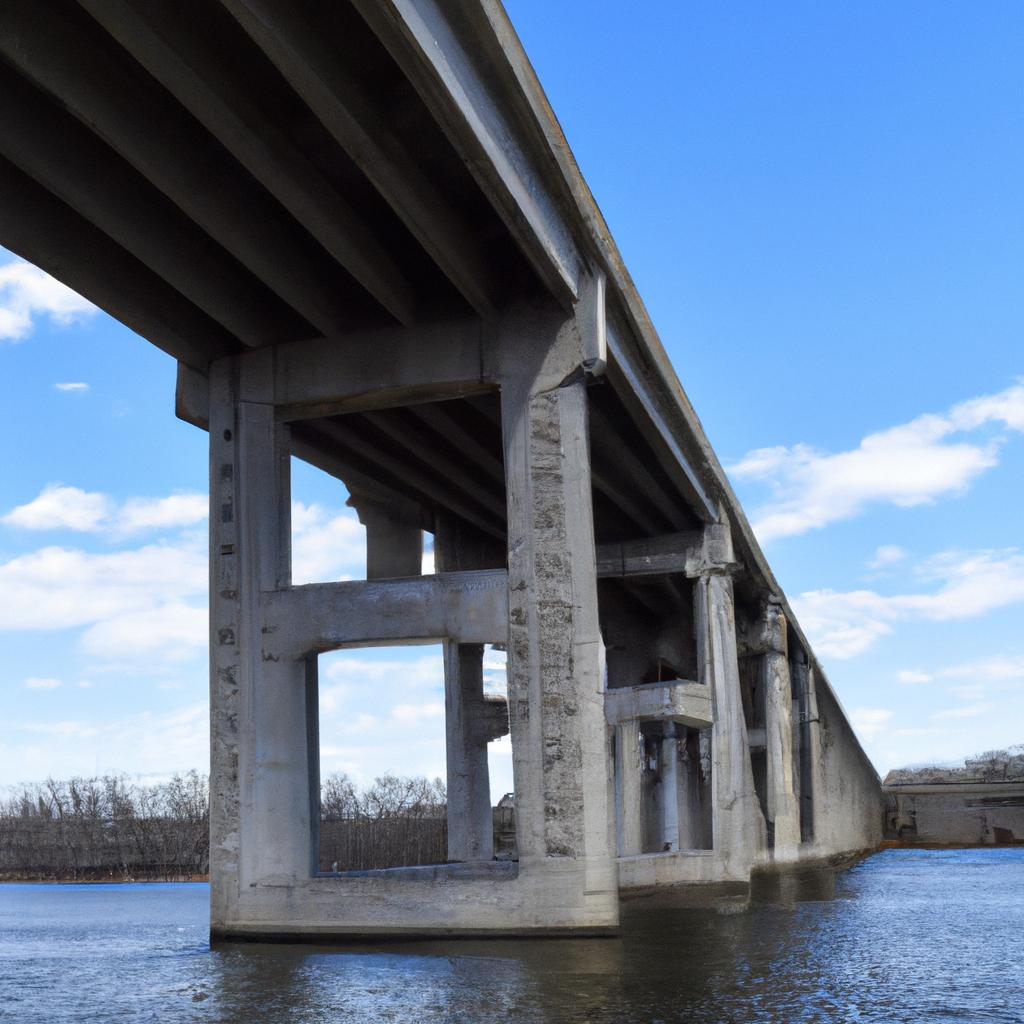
(821, 207)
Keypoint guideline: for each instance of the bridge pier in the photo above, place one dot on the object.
(417, 306)
(266, 635)
(737, 821)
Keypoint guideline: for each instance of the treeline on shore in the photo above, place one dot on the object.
(111, 828)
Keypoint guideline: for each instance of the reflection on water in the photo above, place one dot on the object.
(904, 936)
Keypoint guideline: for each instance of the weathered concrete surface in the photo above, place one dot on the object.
(980, 804)
(956, 814)
(848, 804)
(430, 309)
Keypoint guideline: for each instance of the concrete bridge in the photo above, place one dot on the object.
(359, 230)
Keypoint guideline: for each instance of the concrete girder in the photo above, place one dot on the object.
(193, 72)
(638, 477)
(493, 500)
(187, 166)
(47, 232)
(420, 38)
(304, 58)
(436, 418)
(639, 394)
(427, 481)
(62, 155)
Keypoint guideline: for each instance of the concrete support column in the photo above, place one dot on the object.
(691, 827)
(263, 713)
(670, 788)
(811, 756)
(555, 672)
(470, 823)
(394, 537)
(783, 809)
(628, 794)
(737, 822)
(470, 719)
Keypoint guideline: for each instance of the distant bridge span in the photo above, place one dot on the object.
(359, 230)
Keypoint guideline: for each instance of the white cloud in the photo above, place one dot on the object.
(971, 711)
(172, 631)
(869, 722)
(913, 678)
(75, 385)
(911, 464)
(35, 683)
(886, 555)
(27, 293)
(71, 508)
(59, 507)
(408, 714)
(842, 624)
(59, 588)
(996, 667)
(69, 729)
(147, 743)
(162, 513)
(325, 545)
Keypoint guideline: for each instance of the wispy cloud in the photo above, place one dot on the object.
(27, 293)
(869, 722)
(151, 743)
(147, 603)
(35, 683)
(72, 385)
(887, 555)
(912, 677)
(326, 545)
(177, 510)
(58, 506)
(970, 711)
(842, 624)
(911, 464)
(61, 588)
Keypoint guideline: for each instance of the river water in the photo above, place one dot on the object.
(903, 936)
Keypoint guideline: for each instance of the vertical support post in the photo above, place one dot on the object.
(783, 809)
(669, 757)
(261, 825)
(394, 538)
(470, 821)
(628, 795)
(802, 753)
(815, 782)
(737, 822)
(555, 677)
(470, 818)
(691, 830)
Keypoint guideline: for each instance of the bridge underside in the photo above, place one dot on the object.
(359, 230)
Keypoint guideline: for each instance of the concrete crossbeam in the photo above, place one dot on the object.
(652, 556)
(684, 702)
(469, 607)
